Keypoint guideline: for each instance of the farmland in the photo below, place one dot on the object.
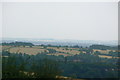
(65, 51)
(52, 61)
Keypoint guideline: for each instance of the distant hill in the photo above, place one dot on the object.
(18, 44)
(103, 47)
(62, 42)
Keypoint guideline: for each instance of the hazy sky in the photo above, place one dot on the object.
(78, 20)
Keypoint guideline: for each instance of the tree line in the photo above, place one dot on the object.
(49, 66)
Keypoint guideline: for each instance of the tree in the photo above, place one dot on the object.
(46, 69)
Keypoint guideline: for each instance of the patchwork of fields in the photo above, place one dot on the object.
(62, 61)
(65, 51)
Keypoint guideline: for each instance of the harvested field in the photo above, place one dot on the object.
(104, 56)
(102, 51)
(65, 51)
(31, 51)
(60, 50)
(5, 47)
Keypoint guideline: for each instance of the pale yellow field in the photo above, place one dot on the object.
(64, 50)
(102, 51)
(5, 47)
(104, 56)
(31, 51)
(38, 49)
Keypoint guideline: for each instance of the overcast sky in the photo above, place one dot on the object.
(78, 20)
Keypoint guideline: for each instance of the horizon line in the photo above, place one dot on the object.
(53, 39)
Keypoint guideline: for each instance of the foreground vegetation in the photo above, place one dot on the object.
(47, 64)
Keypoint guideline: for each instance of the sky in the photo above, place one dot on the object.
(60, 20)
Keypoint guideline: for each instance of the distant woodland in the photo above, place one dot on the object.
(88, 63)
